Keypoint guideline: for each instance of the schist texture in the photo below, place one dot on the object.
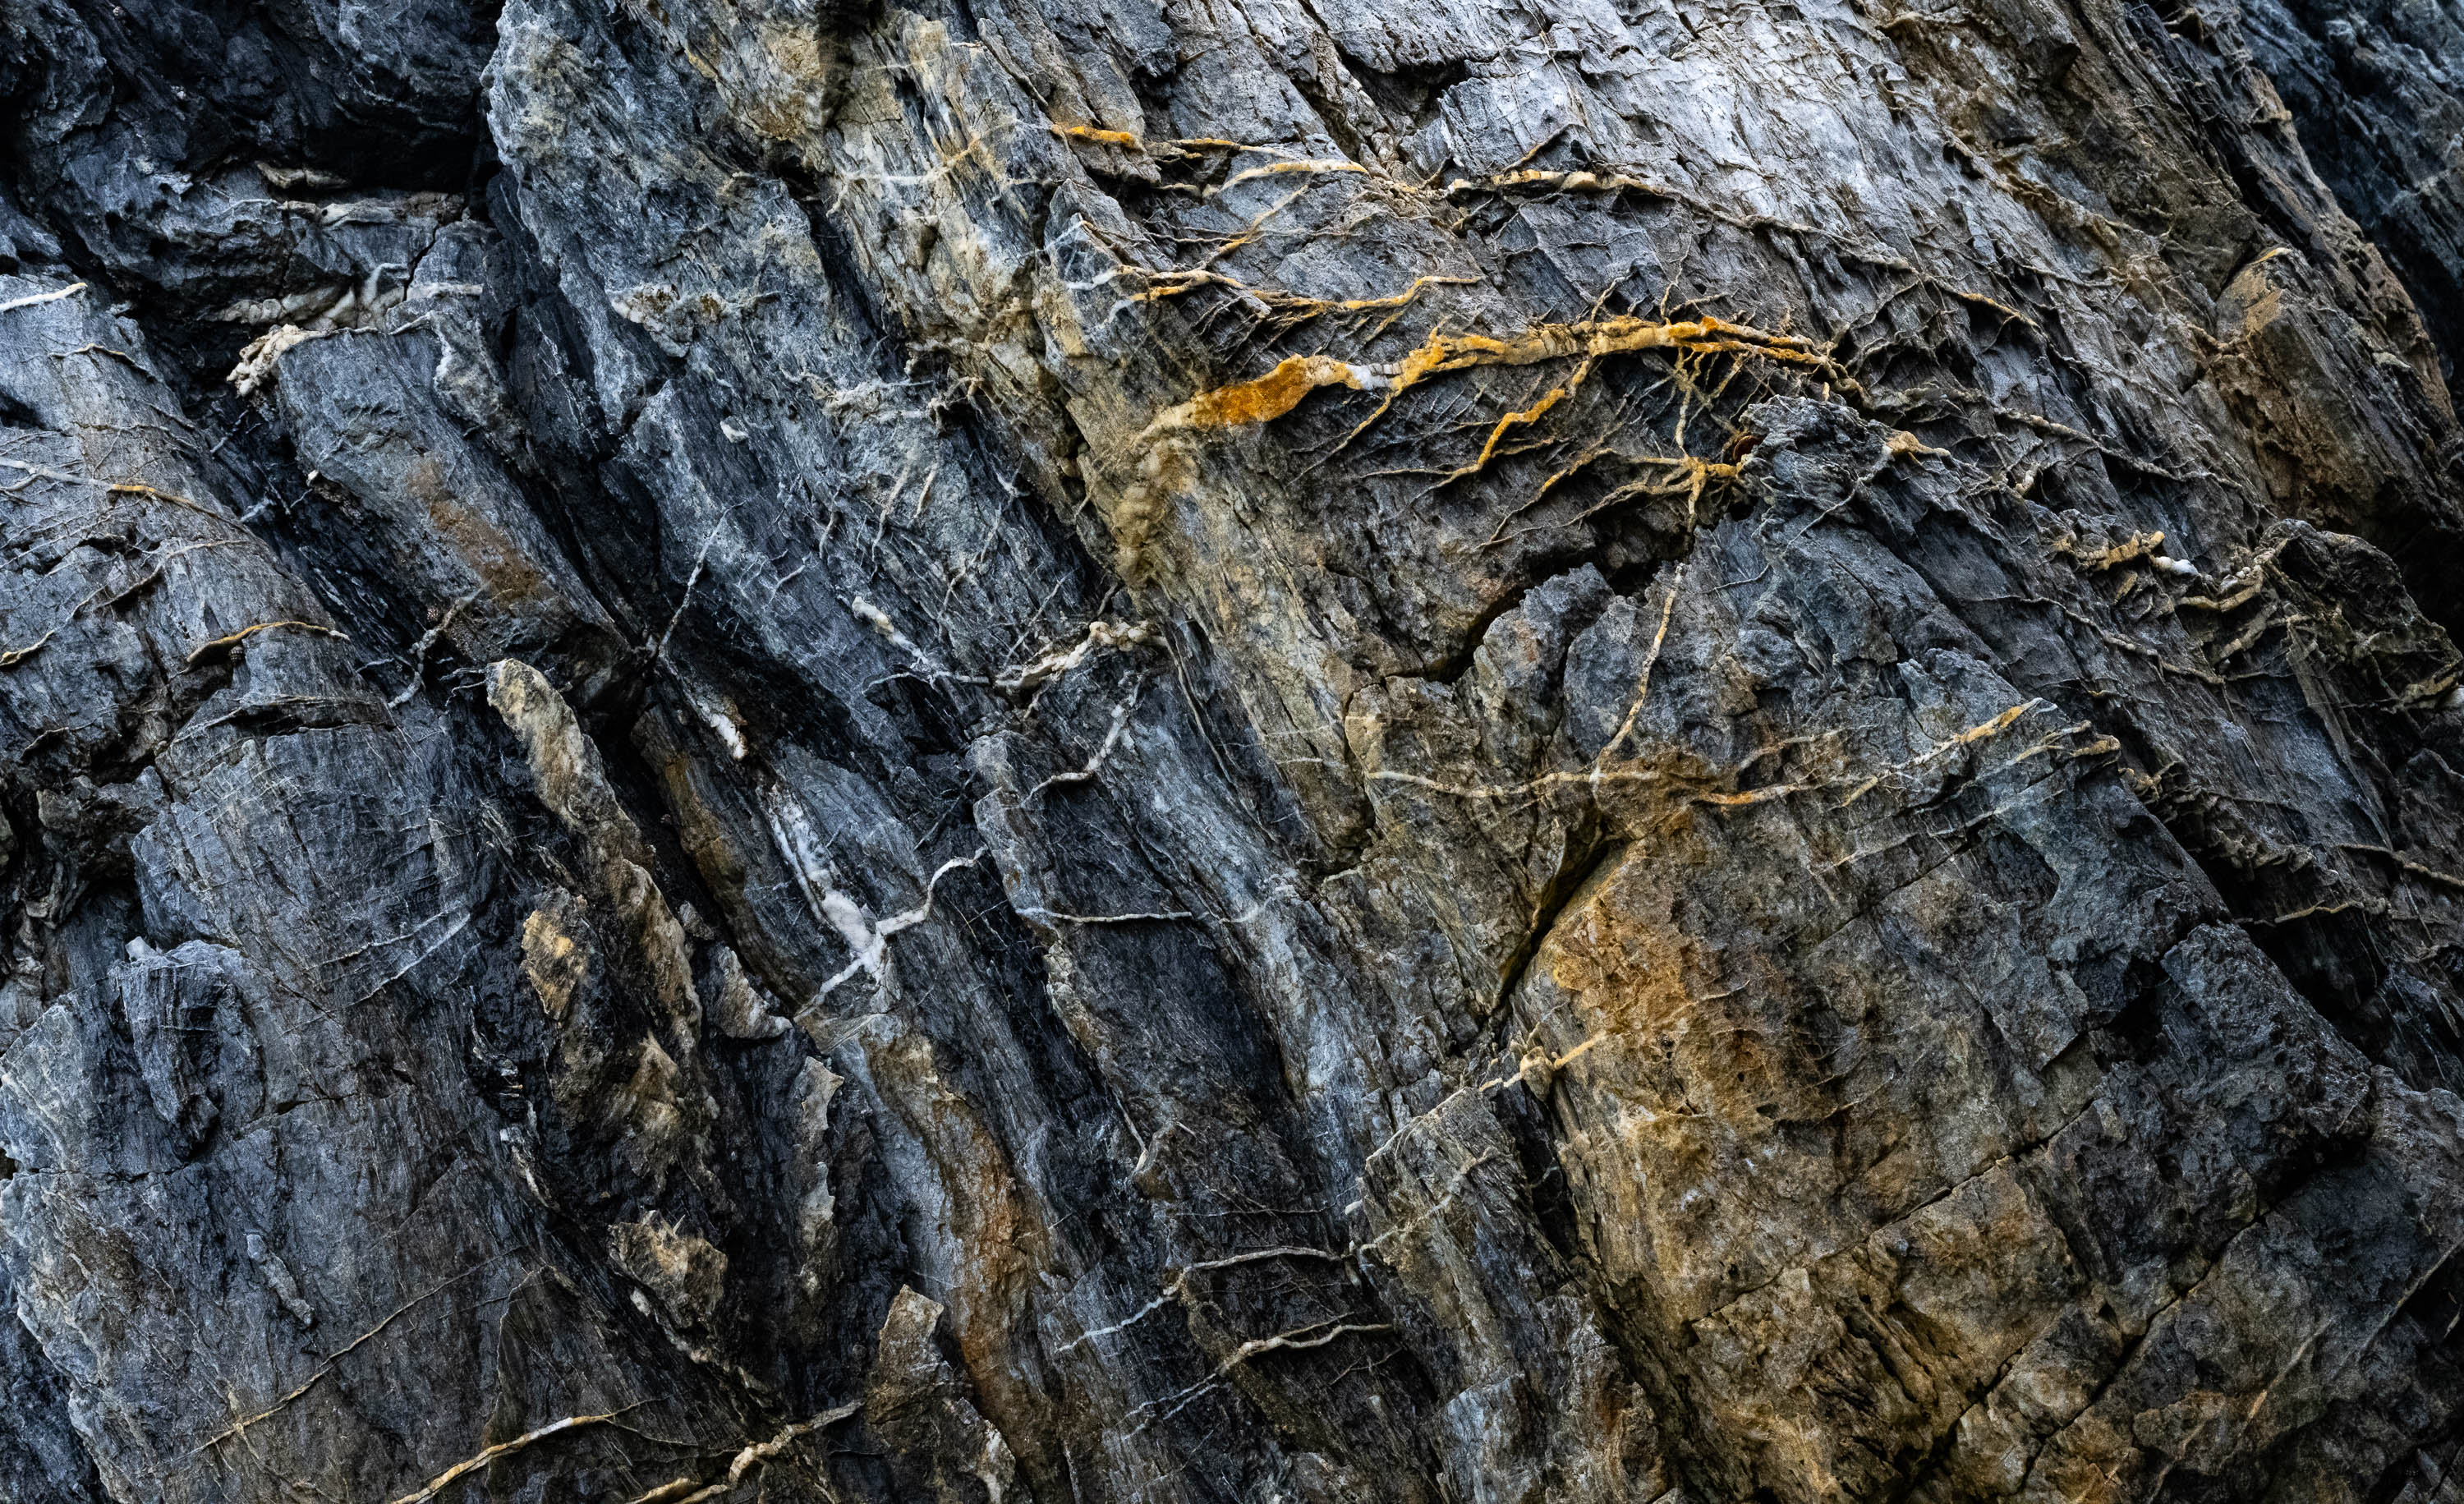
(1326, 751)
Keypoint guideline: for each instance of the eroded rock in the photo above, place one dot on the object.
(1344, 753)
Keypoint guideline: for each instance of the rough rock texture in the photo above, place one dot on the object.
(1320, 751)
(2378, 96)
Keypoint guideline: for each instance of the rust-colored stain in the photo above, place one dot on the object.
(1619, 951)
(1618, 336)
(1269, 397)
(1109, 138)
(503, 568)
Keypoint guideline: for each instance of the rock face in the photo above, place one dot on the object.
(1246, 751)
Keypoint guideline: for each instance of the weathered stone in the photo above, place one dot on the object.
(1342, 752)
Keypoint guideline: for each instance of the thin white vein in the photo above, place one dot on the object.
(870, 943)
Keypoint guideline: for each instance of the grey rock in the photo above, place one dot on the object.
(1341, 752)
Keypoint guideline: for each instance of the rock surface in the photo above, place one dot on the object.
(1246, 751)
